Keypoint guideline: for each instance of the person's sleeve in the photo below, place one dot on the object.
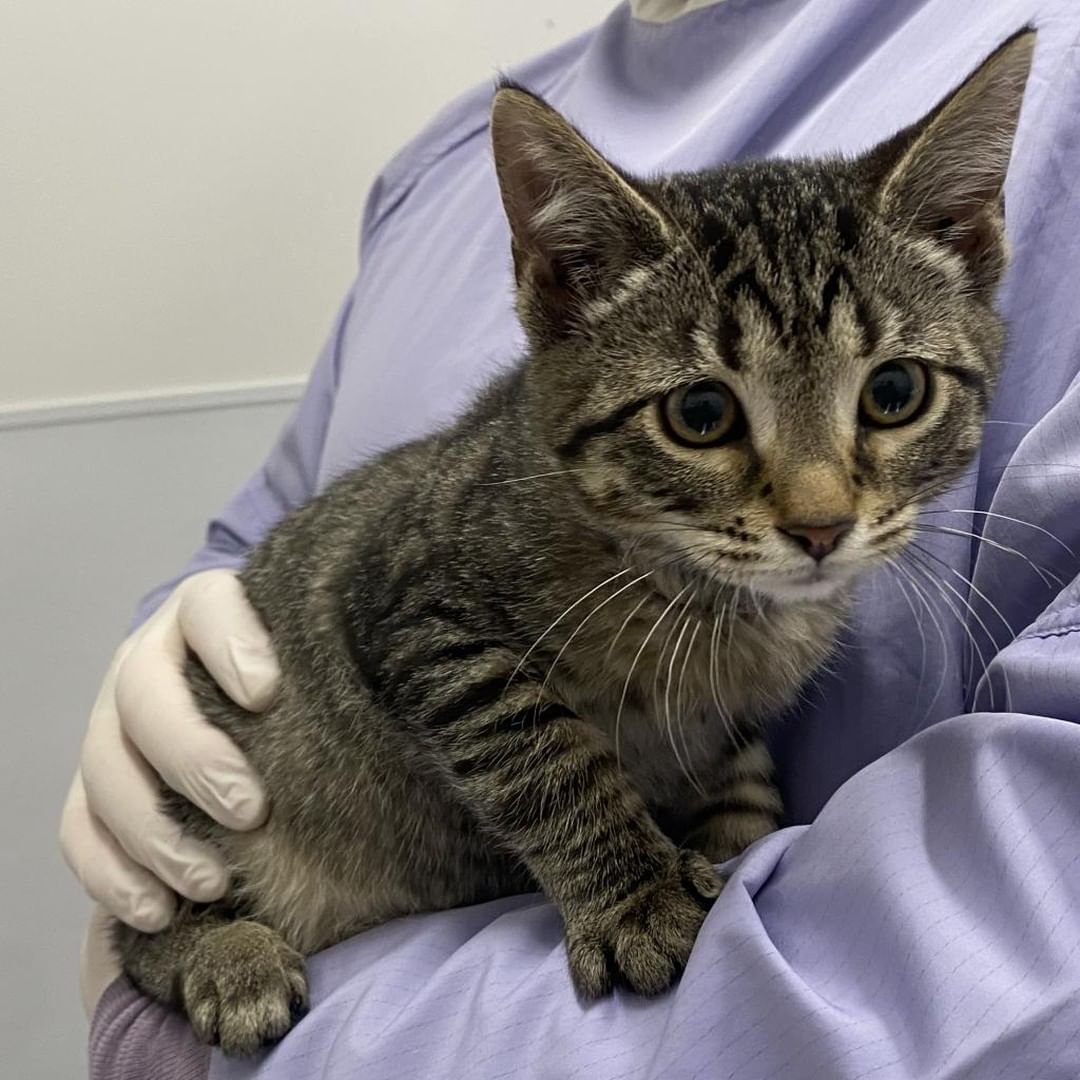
(132, 1038)
(287, 478)
(926, 924)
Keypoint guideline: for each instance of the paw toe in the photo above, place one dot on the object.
(590, 968)
(245, 991)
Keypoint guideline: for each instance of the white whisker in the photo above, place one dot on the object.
(1005, 517)
(633, 665)
(633, 611)
(1044, 574)
(945, 651)
(922, 634)
(940, 585)
(534, 476)
(978, 618)
(579, 600)
(663, 653)
(566, 644)
(688, 769)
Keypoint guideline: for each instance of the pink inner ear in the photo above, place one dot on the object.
(528, 188)
(525, 187)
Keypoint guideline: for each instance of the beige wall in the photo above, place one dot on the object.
(181, 180)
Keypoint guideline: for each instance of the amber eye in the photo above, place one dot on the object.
(894, 393)
(702, 414)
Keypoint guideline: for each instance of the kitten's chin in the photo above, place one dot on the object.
(793, 588)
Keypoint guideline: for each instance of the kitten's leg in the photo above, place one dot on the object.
(549, 788)
(237, 981)
(747, 806)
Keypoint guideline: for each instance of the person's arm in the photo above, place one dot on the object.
(925, 925)
(135, 1039)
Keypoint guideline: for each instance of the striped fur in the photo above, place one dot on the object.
(536, 650)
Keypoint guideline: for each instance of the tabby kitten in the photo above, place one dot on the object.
(535, 650)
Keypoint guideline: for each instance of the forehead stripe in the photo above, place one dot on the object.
(746, 283)
(847, 227)
(841, 276)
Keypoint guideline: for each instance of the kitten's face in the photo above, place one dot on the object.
(761, 373)
(775, 398)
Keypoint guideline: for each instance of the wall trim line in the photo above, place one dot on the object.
(96, 409)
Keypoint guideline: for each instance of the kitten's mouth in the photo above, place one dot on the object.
(816, 582)
(813, 583)
(807, 580)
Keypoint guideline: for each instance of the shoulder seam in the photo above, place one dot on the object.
(397, 194)
(456, 135)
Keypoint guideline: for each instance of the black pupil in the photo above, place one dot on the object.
(892, 388)
(705, 408)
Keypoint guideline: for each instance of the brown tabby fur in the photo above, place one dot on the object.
(535, 650)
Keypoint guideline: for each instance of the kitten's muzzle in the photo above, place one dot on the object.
(818, 540)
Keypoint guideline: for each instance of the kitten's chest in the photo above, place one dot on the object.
(678, 702)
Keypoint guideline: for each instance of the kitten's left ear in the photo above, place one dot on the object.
(578, 224)
(943, 177)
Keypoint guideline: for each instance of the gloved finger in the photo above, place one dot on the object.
(155, 710)
(123, 794)
(106, 872)
(99, 966)
(219, 624)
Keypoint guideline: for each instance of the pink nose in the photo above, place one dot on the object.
(817, 540)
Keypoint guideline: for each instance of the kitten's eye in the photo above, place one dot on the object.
(894, 393)
(702, 414)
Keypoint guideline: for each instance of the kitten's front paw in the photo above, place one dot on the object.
(243, 987)
(644, 941)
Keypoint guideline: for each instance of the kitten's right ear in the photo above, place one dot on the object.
(577, 223)
(943, 176)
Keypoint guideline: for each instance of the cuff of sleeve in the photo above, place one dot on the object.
(134, 1038)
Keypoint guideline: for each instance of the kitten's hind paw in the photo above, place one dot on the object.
(243, 987)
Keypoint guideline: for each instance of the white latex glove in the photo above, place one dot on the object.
(144, 725)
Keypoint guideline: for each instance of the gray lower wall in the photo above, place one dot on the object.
(95, 508)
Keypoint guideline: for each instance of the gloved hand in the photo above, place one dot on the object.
(144, 725)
